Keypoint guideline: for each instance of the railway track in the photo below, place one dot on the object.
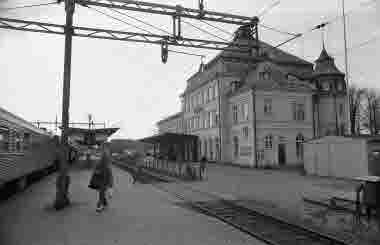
(266, 228)
(142, 177)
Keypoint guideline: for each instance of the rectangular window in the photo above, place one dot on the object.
(217, 118)
(205, 93)
(268, 106)
(212, 120)
(205, 120)
(300, 112)
(210, 93)
(245, 132)
(216, 94)
(341, 111)
(235, 113)
(244, 111)
(294, 109)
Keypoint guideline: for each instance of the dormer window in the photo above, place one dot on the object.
(291, 78)
(326, 86)
(234, 85)
(340, 86)
(264, 75)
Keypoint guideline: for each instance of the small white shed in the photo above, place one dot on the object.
(343, 156)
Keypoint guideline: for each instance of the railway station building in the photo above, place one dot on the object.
(257, 109)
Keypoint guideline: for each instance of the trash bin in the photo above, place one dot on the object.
(371, 191)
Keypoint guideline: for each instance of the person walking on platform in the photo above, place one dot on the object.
(202, 169)
(102, 178)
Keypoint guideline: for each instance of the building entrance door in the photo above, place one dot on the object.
(281, 154)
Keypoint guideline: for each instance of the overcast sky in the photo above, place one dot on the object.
(126, 85)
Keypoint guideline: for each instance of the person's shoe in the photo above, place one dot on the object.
(99, 209)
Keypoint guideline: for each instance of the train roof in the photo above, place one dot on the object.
(9, 120)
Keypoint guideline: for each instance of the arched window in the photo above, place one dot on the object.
(268, 142)
(200, 147)
(217, 148)
(236, 146)
(299, 146)
(205, 148)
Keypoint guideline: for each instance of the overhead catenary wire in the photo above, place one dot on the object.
(348, 13)
(120, 20)
(277, 30)
(300, 35)
(141, 21)
(192, 54)
(204, 31)
(28, 6)
(216, 27)
(127, 23)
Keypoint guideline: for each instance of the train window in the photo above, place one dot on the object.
(376, 153)
(18, 142)
(26, 141)
(4, 139)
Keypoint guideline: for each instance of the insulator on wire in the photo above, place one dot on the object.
(164, 52)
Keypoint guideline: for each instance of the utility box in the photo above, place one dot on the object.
(343, 156)
(371, 192)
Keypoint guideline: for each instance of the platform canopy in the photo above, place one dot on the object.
(169, 138)
(174, 145)
(85, 136)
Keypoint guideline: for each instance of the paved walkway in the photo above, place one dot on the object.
(139, 214)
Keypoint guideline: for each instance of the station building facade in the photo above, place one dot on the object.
(258, 109)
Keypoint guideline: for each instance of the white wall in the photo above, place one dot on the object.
(336, 157)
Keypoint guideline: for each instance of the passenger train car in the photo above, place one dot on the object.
(25, 151)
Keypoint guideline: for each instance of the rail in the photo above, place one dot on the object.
(184, 170)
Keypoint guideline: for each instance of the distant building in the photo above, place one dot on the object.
(258, 109)
(171, 124)
(123, 145)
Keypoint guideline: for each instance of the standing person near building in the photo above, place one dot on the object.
(202, 172)
(102, 178)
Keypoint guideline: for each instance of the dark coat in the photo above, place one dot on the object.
(102, 177)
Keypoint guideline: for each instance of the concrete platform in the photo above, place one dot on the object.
(138, 214)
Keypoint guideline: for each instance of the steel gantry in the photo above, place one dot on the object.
(177, 13)
(97, 33)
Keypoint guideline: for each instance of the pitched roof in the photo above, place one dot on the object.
(270, 53)
(171, 117)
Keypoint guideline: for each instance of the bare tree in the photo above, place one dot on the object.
(370, 107)
(355, 99)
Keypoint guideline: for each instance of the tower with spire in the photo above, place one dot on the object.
(330, 105)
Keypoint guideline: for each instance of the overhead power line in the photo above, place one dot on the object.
(120, 20)
(322, 25)
(204, 31)
(28, 6)
(192, 54)
(362, 44)
(278, 30)
(218, 28)
(141, 21)
(263, 12)
(350, 12)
